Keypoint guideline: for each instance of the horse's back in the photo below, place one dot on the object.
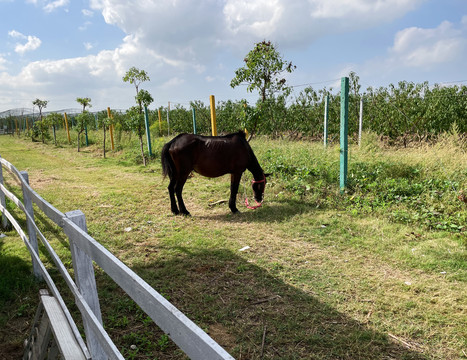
(211, 156)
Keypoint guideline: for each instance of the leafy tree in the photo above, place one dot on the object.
(54, 119)
(136, 76)
(82, 121)
(144, 98)
(136, 121)
(104, 122)
(85, 102)
(41, 129)
(263, 71)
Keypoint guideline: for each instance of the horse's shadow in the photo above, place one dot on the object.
(272, 211)
(253, 314)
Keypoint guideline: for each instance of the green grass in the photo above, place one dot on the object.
(378, 272)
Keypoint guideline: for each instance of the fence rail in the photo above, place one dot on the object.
(85, 250)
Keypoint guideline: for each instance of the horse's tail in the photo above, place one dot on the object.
(168, 166)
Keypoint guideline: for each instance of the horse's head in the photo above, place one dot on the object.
(258, 188)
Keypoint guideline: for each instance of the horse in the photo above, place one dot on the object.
(210, 156)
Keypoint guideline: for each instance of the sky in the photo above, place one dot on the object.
(61, 50)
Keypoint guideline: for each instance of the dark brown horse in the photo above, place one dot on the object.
(210, 156)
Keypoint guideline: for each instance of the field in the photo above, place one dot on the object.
(379, 272)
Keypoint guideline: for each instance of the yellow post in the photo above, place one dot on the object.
(111, 129)
(67, 128)
(213, 115)
(160, 121)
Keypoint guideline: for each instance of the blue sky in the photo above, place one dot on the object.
(60, 50)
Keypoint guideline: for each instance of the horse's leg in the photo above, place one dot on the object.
(234, 183)
(178, 191)
(173, 203)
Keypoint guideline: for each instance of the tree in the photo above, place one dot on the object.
(85, 119)
(136, 76)
(54, 119)
(136, 121)
(263, 71)
(85, 102)
(82, 121)
(105, 121)
(41, 104)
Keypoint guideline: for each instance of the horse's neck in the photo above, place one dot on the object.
(255, 168)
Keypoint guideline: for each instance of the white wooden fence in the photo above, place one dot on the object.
(84, 250)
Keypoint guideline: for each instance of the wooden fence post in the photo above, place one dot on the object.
(67, 128)
(160, 121)
(86, 282)
(168, 119)
(31, 230)
(2, 199)
(213, 115)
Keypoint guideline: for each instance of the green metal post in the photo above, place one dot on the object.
(344, 146)
(194, 121)
(326, 117)
(148, 134)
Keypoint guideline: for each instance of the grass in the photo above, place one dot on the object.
(376, 273)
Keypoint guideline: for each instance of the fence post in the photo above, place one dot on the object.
(66, 127)
(111, 130)
(160, 121)
(148, 134)
(326, 117)
(344, 142)
(168, 120)
(2, 199)
(194, 120)
(360, 123)
(31, 230)
(86, 282)
(213, 115)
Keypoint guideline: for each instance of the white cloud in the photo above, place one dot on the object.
(51, 6)
(84, 26)
(298, 23)
(87, 12)
(190, 33)
(370, 10)
(16, 34)
(415, 47)
(32, 43)
(187, 36)
(2, 63)
(88, 46)
(173, 82)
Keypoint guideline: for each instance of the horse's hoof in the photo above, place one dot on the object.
(235, 211)
(187, 214)
(175, 212)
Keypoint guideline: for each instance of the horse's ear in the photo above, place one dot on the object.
(267, 175)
